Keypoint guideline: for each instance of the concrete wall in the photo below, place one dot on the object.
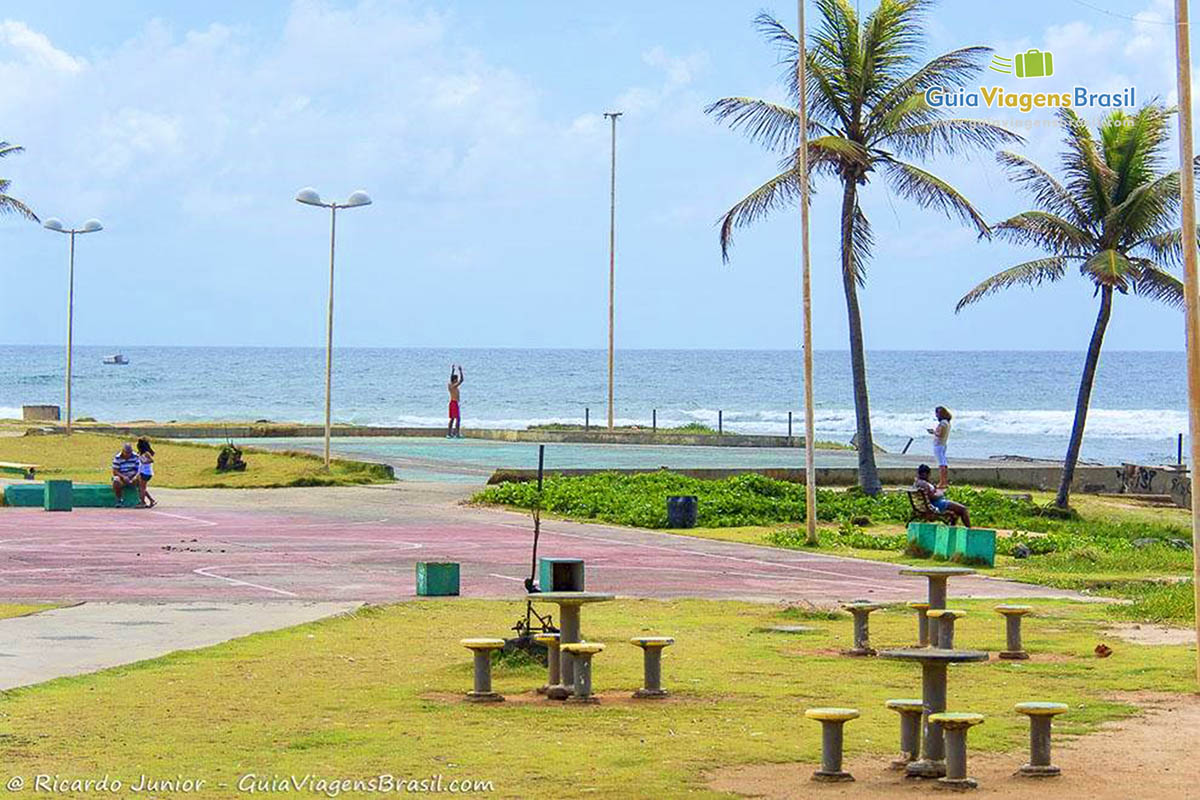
(40, 413)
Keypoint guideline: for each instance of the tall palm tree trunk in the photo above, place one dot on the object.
(1085, 396)
(868, 475)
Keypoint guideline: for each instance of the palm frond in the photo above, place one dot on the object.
(1047, 231)
(1109, 268)
(771, 125)
(954, 69)
(1031, 273)
(1165, 247)
(861, 245)
(1157, 284)
(1045, 189)
(779, 192)
(1089, 177)
(7, 149)
(947, 137)
(929, 191)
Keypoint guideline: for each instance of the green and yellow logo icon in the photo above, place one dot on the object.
(1033, 63)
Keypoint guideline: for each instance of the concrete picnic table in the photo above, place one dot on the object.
(937, 577)
(569, 604)
(933, 661)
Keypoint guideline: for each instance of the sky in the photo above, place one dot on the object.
(477, 128)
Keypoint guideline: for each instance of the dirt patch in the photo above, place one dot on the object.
(1151, 634)
(1152, 752)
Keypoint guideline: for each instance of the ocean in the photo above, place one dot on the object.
(1004, 403)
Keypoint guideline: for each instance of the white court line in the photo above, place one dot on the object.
(837, 577)
(204, 571)
(204, 522)
(505, 577)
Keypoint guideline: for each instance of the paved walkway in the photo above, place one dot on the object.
(94, 636)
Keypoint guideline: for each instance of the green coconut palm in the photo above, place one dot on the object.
(9, 204)
(867, 116)
(1114, 216)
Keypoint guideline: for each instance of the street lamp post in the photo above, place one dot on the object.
(56, 225)
(612, 257)
(309, 197)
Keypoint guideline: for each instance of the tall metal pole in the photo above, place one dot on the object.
(810, 473)
(70, 325)
(612, 259)
(329, 339)
(1191, 281)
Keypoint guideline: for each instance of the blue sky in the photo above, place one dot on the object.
(477, 128)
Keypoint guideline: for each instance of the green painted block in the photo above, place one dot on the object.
(25, 495)
(922, 537)
(946, 541)
(976, 546)
(560, 574)
(83, 495)
(57, 496)
(437, 578)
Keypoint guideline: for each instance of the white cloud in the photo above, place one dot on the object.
(678, 74)
(36, 50)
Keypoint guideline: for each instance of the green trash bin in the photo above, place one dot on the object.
(57, 496)
(437, 579)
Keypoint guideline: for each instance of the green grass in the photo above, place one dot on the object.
(9, 610)
(87, 457)
(380, 691)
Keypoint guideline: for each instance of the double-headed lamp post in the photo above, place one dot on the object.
(309, 197)
(91, 226)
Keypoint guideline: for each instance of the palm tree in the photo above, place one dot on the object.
(867, 114)
(8, 204)
(1114, 217)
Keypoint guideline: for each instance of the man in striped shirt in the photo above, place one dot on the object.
(125, 471)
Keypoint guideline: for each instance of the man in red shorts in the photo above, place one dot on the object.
(454, 428)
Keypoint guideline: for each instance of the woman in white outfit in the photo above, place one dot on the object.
(941, 434)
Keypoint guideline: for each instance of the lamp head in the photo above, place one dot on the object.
(54, 224)
(359, 198)
(309, 197)
(91, 226)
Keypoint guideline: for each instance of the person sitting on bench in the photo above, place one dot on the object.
(937, 498)
(125, 465)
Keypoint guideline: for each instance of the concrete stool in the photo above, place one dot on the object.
(1014, 649)
(652, 647)
(1041, 715)
(582, 652)
(922, 623)
(482, 648)
(862, 628)
(955, 727)
(910, 730)
(945, 625)
(553, 676)
(832, 720)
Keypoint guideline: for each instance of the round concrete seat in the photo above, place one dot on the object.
(553, 673)
(954, 726)
(482, 648)
(922, 622)
(1041, 718)
(582, 653)
(832, 714)
(832, 720)
(910, 711)
(945, 618)
(861, 611)
(652, 648)
(1014, 650)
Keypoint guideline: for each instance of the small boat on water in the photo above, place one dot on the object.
(116, 359)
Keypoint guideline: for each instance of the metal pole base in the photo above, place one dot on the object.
(1031, 771)
(859, 652)
(957, 784)
(821, 776)
(651, 694)
(1014, 655)
(924, 768)
(484, 697)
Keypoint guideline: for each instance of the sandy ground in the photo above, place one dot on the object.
(1151, 634)
(1148, 757)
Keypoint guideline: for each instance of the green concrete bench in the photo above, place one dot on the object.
(83, 495)
(26, 471)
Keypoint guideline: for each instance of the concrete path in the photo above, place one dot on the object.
(94, 636)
